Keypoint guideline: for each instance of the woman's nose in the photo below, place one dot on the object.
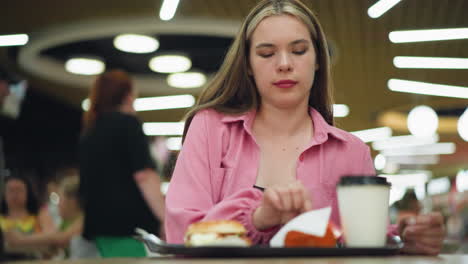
(284, 63)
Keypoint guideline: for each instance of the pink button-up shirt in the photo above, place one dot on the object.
(217, 169)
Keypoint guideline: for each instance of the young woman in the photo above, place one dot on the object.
(19, 212)
(265, 122)
(19, 208)
(72, 222)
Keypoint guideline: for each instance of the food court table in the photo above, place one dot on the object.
(451, 259)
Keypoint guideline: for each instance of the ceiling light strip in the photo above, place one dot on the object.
(415, 87)
(430, 149)
(404, 141)
(405, 36)
(373, 134)
(164, 102)
(168, 9)
(174, 143)
(156, 103)
(13, 40)
(163, 128)
(430, 62)
(381, 7)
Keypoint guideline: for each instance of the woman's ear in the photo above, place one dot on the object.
(317, 66)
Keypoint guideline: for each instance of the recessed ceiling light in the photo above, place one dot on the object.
(163, 128)
(405, 86)
(405, 36)
(85, 104)
(168, 9)
(340, 110)
(430, 62)
(136, 43)
(85, 66)
(422, 121)
(186, 79)
(170, 64)
(380, 7)
(13, 40)
(380, 162)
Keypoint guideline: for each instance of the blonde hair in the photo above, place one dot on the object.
(233, 90)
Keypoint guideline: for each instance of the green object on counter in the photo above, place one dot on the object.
(110, 247)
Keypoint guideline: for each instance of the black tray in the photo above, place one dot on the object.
(266, 251)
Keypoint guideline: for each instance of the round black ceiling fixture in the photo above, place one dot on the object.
(206, 52)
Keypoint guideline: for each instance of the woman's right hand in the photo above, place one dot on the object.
(281, 204)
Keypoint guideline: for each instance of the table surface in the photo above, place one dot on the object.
(328, 260)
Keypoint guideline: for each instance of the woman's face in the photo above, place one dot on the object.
(282, 61)
(15, 194)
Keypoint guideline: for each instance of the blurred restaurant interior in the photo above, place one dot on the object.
(399, 84)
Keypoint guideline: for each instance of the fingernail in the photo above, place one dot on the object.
(411, 221)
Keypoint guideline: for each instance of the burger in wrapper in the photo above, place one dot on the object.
(217, 233)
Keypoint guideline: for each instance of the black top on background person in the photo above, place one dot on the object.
(119, 187)
(110, 153)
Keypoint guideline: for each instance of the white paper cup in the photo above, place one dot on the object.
(363, 202)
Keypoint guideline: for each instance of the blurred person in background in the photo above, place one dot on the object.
(119, 185)
(19, 212)
(71, 224)
(260, 146)
(408, 206)
(4, 92)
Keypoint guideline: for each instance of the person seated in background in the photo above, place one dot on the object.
(71, 225)
(4, 92)
(408, 206)
(260, 147)
(19, 211)
(119, 185)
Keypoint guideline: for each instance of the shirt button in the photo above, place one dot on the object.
(301, 157)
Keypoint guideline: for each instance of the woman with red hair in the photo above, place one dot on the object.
(120, 188)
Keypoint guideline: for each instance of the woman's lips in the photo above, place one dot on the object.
(285, 83)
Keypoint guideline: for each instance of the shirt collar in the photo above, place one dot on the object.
(321, 128)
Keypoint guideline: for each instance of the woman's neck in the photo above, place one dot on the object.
(283, 122)
(126, 108)
(17, 213)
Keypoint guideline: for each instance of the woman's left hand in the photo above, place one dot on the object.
(423, 234)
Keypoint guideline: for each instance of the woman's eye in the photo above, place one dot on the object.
(299, 52)
(265, 55)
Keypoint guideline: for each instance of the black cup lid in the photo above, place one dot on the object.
(361, 180)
